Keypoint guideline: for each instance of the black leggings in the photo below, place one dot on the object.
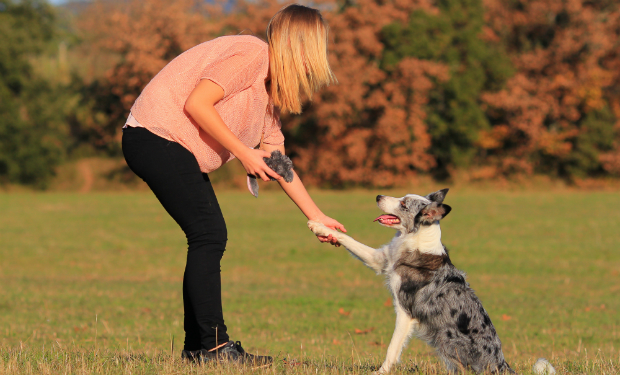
(173, 174)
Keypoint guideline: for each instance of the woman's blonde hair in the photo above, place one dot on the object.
(297, 37)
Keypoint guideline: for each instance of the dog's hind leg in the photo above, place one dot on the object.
(373, 258)
(403, 330)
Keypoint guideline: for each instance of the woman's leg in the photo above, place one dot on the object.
(173, 174)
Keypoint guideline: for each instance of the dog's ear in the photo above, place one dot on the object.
(435, 212)
(437, 196)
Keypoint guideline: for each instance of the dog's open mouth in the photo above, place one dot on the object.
(388, 219)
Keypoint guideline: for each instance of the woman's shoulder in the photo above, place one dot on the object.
(244, 42)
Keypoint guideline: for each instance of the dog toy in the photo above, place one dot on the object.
(281, 164)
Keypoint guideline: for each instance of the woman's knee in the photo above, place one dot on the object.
(212, 238)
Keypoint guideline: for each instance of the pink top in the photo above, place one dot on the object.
(239, 64)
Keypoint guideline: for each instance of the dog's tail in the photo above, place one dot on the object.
(543, 367)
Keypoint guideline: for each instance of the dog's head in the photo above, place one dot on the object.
(408, 213)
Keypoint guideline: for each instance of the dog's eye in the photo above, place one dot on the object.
(403, 204)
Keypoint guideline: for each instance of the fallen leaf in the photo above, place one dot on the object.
(342, 312)
(336, 342)
(377, 343)
(364, 331)
(506, 317)
(388, 302)
(588, 308)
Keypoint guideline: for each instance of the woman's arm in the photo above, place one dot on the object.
(200, 105)
(298, 194)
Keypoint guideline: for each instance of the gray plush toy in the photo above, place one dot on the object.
(281, 164)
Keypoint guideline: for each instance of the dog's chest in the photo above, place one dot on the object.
(399, 246)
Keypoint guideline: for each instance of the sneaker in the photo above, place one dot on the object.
(230, 352)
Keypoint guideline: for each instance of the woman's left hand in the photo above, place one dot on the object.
(333, 224)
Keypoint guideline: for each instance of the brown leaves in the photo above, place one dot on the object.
(561, 77)
(364, 331)
(342, 312)
(595, 308)
(371, 127)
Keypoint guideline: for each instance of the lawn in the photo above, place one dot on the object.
(91, 283)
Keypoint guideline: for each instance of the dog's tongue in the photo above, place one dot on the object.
(388, 219)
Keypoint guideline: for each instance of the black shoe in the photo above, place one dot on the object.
(231, 352)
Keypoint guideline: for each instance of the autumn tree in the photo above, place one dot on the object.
(139, 38)
(453, 36)
(557, 113)
(370, 128)
(423, 86)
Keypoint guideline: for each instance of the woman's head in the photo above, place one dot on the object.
(297, 37)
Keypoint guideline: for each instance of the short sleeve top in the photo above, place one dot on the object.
(238, 64)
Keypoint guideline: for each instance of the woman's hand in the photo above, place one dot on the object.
(333, 224)
(252, 161)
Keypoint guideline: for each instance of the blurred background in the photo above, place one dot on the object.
(467, 90)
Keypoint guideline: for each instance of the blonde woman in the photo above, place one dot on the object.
(211, 104)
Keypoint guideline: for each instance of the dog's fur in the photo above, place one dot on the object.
(431, 297)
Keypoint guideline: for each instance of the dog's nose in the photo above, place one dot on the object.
(379, 197)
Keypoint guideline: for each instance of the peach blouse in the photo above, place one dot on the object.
(238, 64)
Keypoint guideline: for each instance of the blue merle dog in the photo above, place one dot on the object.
(431, 297)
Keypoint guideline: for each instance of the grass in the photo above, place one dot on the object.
(91, 283)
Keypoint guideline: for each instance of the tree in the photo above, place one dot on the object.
(370, 128)
(454, 37)
(556, 115)
(140, 38)
(32, 130)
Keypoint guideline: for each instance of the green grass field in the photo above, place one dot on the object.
(91, 283)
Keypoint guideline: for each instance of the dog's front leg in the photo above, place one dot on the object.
(404, 327)
(373, 258)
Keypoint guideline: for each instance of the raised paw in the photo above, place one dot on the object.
(319, 229)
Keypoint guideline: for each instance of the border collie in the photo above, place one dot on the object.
(432, 299)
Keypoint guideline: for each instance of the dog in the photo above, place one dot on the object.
(432, 299)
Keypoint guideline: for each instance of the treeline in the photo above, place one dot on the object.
(490, 88)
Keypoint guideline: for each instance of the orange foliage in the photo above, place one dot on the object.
(566, 54)
(144, 36)
(370, 128)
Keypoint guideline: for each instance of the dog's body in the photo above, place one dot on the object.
(431, 297)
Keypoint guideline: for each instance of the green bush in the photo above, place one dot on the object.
(455, 116)
(33, 134)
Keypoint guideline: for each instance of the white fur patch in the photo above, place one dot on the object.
(426, 240)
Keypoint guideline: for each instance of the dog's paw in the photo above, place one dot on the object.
(319, 229)
(316, 227)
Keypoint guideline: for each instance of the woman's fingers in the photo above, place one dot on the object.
(267, 173)
(272, 173)
(339, 226)
(256, 166)
(332, 240)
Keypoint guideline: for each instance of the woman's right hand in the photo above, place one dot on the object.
(252, 161)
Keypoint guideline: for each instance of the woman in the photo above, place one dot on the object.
(207, 106)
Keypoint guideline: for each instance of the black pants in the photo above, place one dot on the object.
(173, 174)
